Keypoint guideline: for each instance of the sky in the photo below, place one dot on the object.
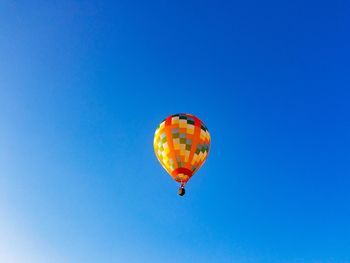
(83, 86)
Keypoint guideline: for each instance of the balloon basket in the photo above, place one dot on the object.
(181, 191)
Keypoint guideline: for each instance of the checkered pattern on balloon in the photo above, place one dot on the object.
(181, 144)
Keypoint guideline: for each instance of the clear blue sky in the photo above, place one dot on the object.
(83, 85)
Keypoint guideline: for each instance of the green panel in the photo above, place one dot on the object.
(190, 122)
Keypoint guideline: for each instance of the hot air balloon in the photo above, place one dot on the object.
(181, 144)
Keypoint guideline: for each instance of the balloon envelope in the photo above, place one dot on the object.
(181, 144)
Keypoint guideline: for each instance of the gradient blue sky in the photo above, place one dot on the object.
(83, 85)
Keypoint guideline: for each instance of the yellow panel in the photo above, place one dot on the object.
(175, 120)
(176, 142)
(165, 146)
(187, 154)
(190, 129)
(182, 152)
(194, 159)
(183, 123)
(207, 135)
